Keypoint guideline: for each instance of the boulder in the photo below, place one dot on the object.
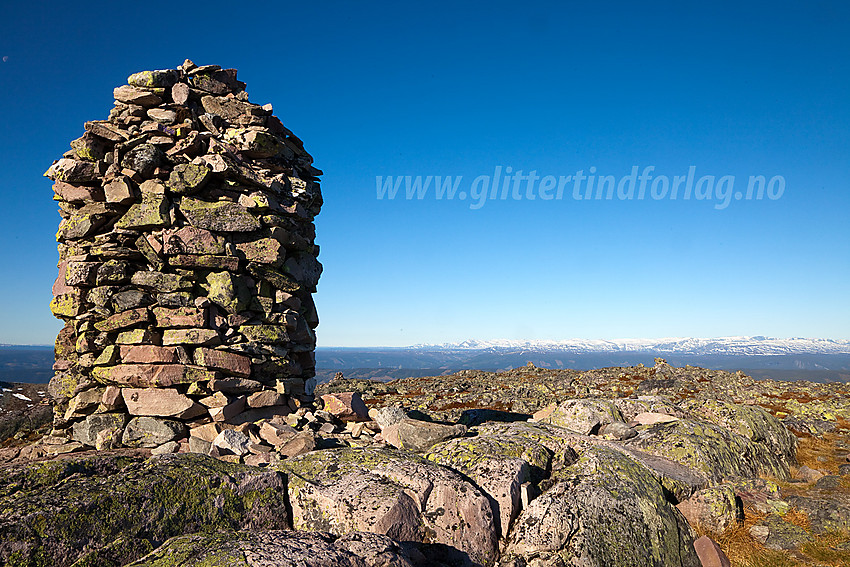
(712, 451)
(387, 416)
(347, 406)
(416, 435)
(393, 493)
(583, 416)
(495, 469)
(606, 509)
(752, 422)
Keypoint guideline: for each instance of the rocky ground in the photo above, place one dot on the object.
(531, 467)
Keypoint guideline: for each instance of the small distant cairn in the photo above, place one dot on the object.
(187, 265)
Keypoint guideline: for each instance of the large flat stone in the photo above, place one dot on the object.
(207, 337)
(220, 216)
(179, 317)
(148, 354)
(148, 375)
(124, 320)
(160, 402)
(191, 240)
(229, 362)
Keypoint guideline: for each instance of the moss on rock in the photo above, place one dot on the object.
(51, 515)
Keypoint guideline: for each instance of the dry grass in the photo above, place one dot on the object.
(745, 551)
(831, 549)
(827, 550)
(798, 518)
(820, 453)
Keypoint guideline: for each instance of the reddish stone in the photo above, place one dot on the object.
(207, 432)
(81, 273)
(347, 406)
(148, 354)
(154, 242)
(77, 193)
(112, 397)
(266, 398)
(230, 362)
(132, 95)
(178, 317)
(59, 286)
(544, 412)
(118, 190)
(710, 554)
(255, 459)
(160, 402)
(651, 418)
(276, 435)
(191, 240)
(217, 400)
(224, 413)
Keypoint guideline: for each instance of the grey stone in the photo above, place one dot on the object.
(152, 432)
(583, 416)
(387, 416)
(86, 431)
(415, 435)
(606, 509)
(166, 448)
(144, 159)
(617, 430)
(232, 441)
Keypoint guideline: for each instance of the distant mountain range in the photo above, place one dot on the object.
(762, 357)
(748, 346)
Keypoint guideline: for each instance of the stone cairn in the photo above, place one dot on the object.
(186, 267)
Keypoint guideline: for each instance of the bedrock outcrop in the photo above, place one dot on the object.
(538, 477)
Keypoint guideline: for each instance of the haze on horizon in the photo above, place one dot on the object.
(498, 98)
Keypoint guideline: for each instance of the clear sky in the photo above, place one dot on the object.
(459, 89)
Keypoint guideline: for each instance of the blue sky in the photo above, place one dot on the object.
(388, 89)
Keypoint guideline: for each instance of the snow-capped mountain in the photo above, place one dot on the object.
(757, 345)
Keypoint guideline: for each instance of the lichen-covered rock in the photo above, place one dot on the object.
(279, 549)
(752, 422)
(220, 216)
(715, 509)
(712, 451)
(494, 468)
(53, 514)
(385, 491)
(582, 416)
(606, 509)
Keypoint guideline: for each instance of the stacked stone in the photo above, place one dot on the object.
(186, 265)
